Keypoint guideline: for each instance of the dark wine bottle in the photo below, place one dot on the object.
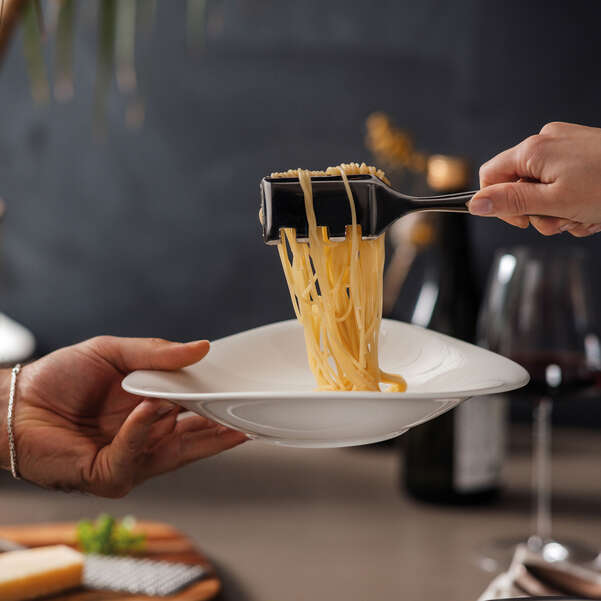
(455, 458)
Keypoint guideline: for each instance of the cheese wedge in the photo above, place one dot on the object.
(37, 572)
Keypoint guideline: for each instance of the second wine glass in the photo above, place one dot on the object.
(539, 311)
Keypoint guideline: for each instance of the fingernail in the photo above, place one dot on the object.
(480, 206)
(191, 342)
(566, 227)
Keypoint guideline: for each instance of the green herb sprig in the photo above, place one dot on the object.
(107, 536)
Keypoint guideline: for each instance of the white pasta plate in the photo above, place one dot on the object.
(259, 382)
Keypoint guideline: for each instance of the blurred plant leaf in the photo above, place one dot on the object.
(105, 61)
(146, 11)
(127, 25)
(196, 23)
(65, 33)
(135, 113)
(34, 57)
(126, 45)
(40, 17)
(107, 536)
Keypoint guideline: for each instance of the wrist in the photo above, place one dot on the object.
(4, 391)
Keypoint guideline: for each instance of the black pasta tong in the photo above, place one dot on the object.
(377, 205)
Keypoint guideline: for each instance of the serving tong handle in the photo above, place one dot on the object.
(456, 203)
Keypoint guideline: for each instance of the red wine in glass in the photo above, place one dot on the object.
(560, 375)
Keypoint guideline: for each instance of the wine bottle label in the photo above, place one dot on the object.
(480, 424)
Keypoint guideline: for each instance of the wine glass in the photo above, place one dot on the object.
(538, 310)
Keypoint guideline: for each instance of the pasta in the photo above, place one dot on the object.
(336, 292)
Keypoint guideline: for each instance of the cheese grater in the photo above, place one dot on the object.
(132, 575)
(139, 576)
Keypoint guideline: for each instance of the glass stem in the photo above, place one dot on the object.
(541, 473)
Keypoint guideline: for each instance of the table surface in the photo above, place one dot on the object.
(290, 524)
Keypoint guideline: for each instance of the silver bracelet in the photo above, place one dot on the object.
(12, 449)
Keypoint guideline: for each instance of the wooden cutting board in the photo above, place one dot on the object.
(163, 542)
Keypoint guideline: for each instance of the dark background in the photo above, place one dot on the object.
(154, 233)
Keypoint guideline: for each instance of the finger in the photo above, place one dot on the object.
(547, 226)
(501, 168)
(128, 354)
(113, 471)
(185, 447)
(582, 230)
(526, 160)
(195, 423)
(521, 221)
(133, 434)
(594, 229)
(565, 225)
(519, 198)
(561, 128)
(163, 428)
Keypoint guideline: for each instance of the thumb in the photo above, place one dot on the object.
(515, 198)
(129, 354)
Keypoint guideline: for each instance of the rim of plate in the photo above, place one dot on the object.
(289, 395)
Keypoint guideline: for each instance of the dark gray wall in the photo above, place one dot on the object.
(155, 232)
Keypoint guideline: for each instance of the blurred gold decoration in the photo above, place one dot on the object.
(391, 145)
(447, 173)
(394, 148)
